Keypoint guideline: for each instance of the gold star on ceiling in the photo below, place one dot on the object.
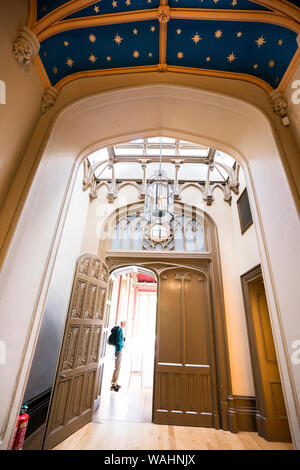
(150, 54)
(128, 2)
(118, 39)
(272, 64)
(208, 59)
(96, 9)
(66, 43)
(234, 3)
(152, 28)
(114, 4)
(178, 31)
(69, 62)
(239, 34)
(218, 34)
(179, 55)
(196, 38)
(108, 58)
(260, 41)
(92, 38)
(55, 70)
(231, 57)
(255, 66)
(136, 54)
(280, 42)
(135, 31)
(92, 58)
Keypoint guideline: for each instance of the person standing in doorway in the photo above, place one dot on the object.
(118, 356)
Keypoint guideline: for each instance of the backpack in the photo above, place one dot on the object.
(112, 339)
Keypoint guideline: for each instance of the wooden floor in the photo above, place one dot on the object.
(123, 422)
(119, 406)
(119, 435)
(133, 402)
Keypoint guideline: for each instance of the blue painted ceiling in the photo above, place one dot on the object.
(122, 45)
(232, 46)
(115, 6)
(262, 50)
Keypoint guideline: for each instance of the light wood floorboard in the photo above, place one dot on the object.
(123, 422)
(120, 435)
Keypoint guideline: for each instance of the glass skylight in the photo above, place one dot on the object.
(193, 158)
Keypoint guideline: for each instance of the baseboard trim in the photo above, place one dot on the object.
(35, 440)
(37, 410)
(242, 413)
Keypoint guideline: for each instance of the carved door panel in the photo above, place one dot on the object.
(272, 419)
(185, 384)
(80, 367)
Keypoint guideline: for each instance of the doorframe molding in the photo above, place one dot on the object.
(251, 275)
(208, 264)
(261, 410)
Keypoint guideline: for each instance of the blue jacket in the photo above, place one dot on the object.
(119, 339)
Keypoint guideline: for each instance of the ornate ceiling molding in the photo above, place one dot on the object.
(223, 74)
(103, 72)
(59, 13)
(26, 46)
(235, 15)
(88, 22)
(281, 6)
(280, 106)
(49, 99)
(174, 13)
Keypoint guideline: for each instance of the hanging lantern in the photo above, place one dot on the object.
(159, 199)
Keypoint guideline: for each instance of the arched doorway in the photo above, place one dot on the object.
(132, 298)
(191, 283)
(66, 140)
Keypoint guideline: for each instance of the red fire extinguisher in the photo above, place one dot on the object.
(20, 431)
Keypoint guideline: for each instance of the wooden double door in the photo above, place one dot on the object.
(80, 369)
(185, 391)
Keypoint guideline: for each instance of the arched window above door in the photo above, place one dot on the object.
(186, 232)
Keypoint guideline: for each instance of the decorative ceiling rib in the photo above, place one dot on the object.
(251, 40)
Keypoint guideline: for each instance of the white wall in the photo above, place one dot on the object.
(20, 114)
(238, 253)
(46, 355)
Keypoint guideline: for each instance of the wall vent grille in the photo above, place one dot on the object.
(244, 211)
